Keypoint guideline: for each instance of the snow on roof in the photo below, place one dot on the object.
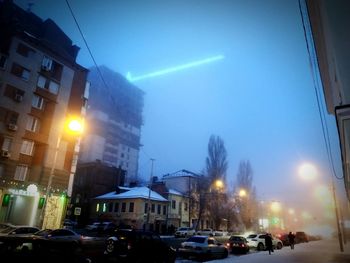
(135, 192)
(175, 192)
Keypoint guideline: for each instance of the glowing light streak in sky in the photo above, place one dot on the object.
(174, 69)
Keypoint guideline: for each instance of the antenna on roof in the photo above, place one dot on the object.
(30, 5)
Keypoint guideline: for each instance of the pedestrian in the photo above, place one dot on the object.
(268, 243)
(291, 239)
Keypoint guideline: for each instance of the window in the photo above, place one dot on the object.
(153, 208)
(186, 206)
(173, 204)
(159, 208)
(46, 64)
(53, 87)
(20, 71)
(21, 172)
(104, 207)
(131, 207)
(3, 60)
(37, 102)
(116, 207)
(24, 50)
(97, 207)
(110, 207)
(27, 147)
(146, 208)
(164, 209)
(32, 124)
(123, 207)
(6, 144)
(41, 82)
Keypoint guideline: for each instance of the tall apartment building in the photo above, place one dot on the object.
(41, 86)
(114, 118)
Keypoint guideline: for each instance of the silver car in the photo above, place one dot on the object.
(202, 247)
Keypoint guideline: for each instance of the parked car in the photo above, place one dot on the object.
(5, 225)
(184, 232)
(202, 247)
(138, 246)
(220, 233)
(18, 230)
(206, 232)
(258, 241)
(238, 244)
(301, 237)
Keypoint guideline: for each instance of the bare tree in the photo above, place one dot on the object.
(246, 204)
(216, 168)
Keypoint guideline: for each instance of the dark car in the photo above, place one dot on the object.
(238, 244)
(139, 246)
(301, 237)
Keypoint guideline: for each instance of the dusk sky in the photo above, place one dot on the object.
(260, 99)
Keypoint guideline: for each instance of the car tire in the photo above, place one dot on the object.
(279, 245)
(225, 254)
(110, 246)
(260, 247)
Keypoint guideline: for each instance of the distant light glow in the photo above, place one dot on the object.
(308, 172)
(174, 69)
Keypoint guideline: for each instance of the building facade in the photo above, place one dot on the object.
(91, 180)
(136, 207)
(329, 32)
(115, 119)
(41, 87)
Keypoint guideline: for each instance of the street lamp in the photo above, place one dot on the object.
(74, 127)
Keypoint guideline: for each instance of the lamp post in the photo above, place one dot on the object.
(74, 127)
(149, 196)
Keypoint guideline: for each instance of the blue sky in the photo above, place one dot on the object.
(260, 99)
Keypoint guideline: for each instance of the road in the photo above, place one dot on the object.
(323, 251)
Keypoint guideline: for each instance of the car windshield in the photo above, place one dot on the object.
(196, 239)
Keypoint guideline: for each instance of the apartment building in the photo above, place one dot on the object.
(115, 118)
(41, 88)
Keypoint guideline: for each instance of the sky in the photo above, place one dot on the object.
(260, 99)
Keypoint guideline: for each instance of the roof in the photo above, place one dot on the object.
(135, 192)
(174, 192)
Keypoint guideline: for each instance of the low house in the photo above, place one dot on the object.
(136, 207)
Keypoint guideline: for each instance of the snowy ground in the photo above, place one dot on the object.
(324, 251)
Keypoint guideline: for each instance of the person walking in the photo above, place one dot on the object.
(268, 243)
(291, 239)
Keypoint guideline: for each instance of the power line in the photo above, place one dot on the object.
(313, 67)
(87, 46)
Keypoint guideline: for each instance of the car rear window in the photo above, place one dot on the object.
(252, 236)
(235, 238)
(196, 239)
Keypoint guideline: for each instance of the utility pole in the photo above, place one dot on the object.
(340, 238)
(149, 196)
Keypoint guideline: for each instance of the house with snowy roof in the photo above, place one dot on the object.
(129, 207)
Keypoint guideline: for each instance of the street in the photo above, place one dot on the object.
(323, 251)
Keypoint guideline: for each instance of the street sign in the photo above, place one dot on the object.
(77, 211)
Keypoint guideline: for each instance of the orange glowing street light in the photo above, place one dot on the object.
(73, 126)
